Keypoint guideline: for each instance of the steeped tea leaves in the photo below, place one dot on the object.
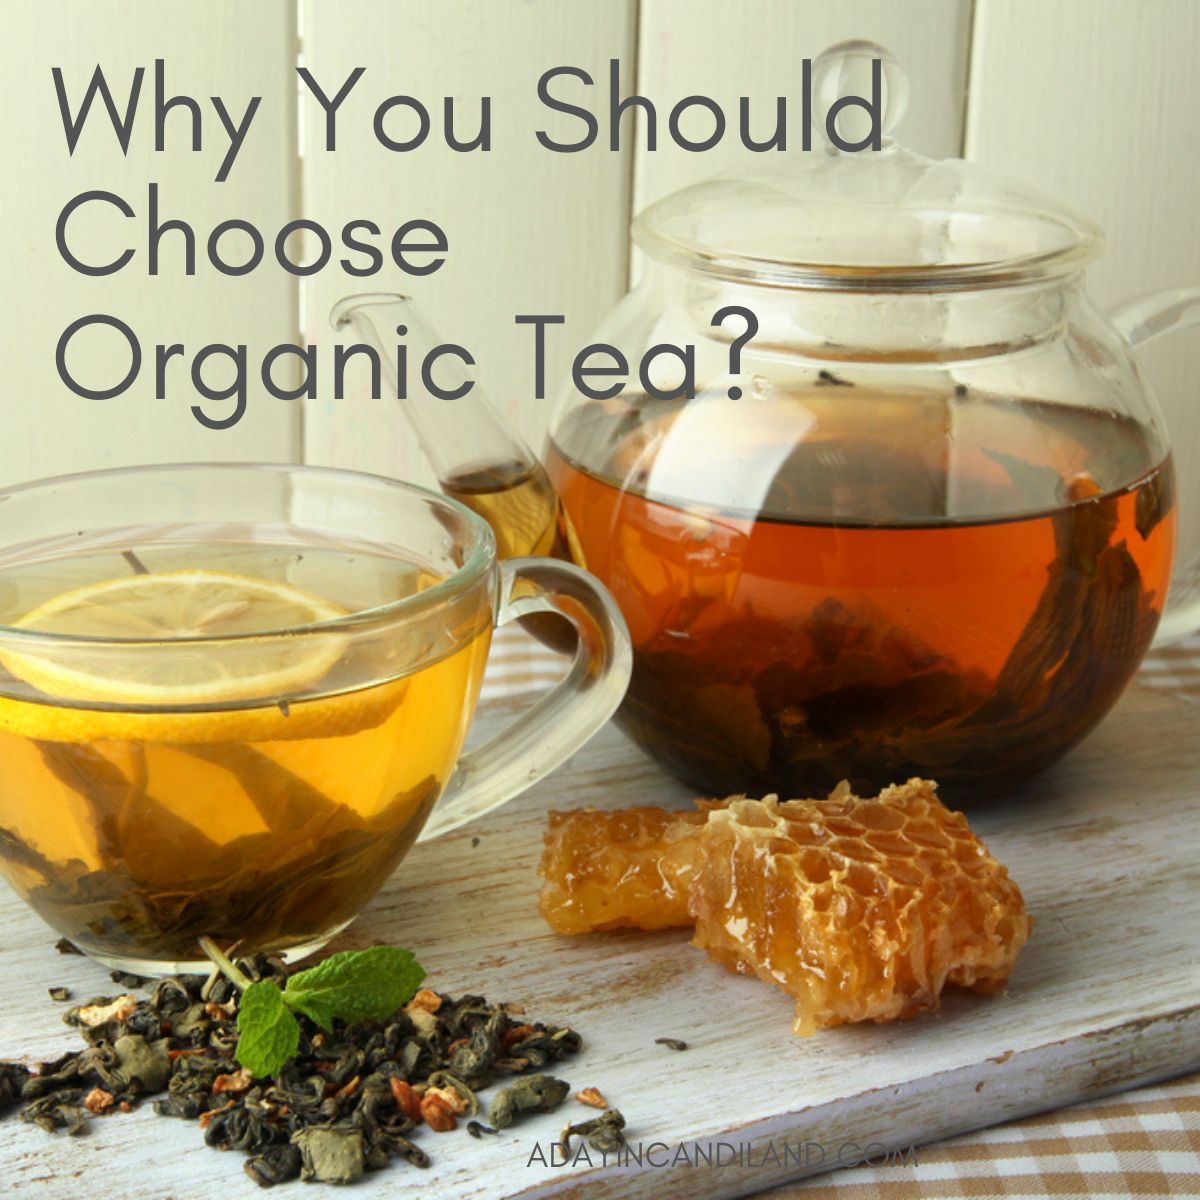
(267, 1031)
(874, 585)
(254, 789)
(355, 985)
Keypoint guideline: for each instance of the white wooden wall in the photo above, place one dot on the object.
(221, 47)
(1095, 100)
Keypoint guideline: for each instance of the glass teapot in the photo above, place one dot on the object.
(917, 513)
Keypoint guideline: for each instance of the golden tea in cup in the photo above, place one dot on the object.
(236, 727)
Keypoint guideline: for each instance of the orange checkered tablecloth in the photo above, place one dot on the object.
(1140, 1143)
(1144, 1142)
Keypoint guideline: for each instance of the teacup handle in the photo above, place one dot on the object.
(564, 718)
(1139, 321)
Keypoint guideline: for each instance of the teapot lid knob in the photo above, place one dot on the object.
(845, 70)
(877, 222)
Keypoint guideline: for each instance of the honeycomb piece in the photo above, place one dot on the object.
(861, 909)
(628, 869)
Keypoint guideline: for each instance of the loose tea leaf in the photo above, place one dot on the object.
(13, 1078)
(533, 1094)
(339, 1106)
(140, 1065)
(330, 1154)
(58, 1110)
(604, 1134)
(276, 1165)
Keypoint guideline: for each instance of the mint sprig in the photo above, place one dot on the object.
(267, 1032)
(354, 985)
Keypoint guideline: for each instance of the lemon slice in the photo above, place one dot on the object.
(173, 605)
(340, 715)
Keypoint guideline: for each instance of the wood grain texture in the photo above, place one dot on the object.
(1104, 996)
(1098, 102)
(222, 48)
(530, 231)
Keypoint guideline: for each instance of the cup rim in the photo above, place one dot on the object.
(481, 555)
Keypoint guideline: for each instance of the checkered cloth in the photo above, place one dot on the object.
(1140, 1143)
(518, 664)
(1175, 668)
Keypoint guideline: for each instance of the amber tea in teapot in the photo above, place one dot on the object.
(869, 586)
(916, 517)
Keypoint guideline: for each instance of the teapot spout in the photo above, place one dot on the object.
(477, 458)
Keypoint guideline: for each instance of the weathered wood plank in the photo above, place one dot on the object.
(1105, 995)
(223, 48)
(530, 231)
(1099, 103)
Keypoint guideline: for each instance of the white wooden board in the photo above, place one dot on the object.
(221, 48)
(1106, 995)
(529, 231)
(1098, 103)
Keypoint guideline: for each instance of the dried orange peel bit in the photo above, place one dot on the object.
(628, 869)
(861, 909)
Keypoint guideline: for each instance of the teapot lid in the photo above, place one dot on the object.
(870, 220)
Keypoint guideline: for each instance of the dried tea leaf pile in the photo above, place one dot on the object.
(862, 909)
(349, 1102)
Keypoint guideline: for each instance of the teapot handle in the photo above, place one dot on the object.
(1139, 321)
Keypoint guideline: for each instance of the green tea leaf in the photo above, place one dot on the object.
(267, 1031)
(355, 985)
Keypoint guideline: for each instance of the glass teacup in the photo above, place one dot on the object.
(231, 696)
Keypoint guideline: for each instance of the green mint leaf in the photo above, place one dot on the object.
(267, 1031)
(355, 985)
